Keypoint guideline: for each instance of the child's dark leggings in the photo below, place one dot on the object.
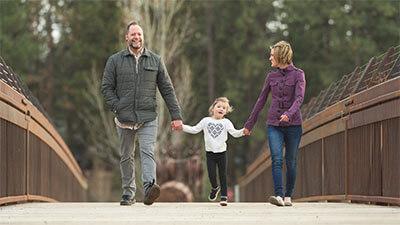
(214, 160)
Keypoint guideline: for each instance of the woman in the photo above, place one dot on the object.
(287, 85)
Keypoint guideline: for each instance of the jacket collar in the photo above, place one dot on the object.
(287, 69)
(126, 52)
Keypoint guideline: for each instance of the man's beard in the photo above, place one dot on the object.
(132, 46)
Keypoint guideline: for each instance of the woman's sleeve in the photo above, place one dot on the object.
(299, 96)
(262, 98)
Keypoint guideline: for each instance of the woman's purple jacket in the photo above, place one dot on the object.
(287, 87)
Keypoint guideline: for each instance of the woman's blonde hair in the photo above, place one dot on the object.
(220, 99)
(282, 52)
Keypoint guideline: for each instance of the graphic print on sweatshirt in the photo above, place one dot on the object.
(215, 129)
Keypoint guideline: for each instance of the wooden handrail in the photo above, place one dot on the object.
(39, 126)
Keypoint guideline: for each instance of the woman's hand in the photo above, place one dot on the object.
(246, 132)
(284, 118)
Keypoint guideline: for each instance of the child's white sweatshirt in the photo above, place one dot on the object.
(215, 132)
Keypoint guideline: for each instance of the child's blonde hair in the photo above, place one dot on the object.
(283, 52)
(220, 99)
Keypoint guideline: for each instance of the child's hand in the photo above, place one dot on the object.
(246, 132)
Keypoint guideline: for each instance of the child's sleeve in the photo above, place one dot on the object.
(194, 129)
(231, 129)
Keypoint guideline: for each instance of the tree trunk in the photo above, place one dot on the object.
(210, 52)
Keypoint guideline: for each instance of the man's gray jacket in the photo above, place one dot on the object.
(130, 91)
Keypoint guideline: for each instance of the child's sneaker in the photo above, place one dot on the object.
(276, 200)
(287, 201)
(213, 194)
(224, 201)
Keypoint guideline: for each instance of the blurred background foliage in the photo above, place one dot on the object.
(212, 49)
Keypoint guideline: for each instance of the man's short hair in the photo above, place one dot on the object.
(132, 23)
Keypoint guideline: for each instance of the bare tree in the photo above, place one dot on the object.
(102, 132)
(210, 52)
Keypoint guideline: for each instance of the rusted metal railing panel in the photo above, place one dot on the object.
(331, 91)
(312, 167)
(390, 148)
(356, 183)
(366, 75)
(380, 75)
(314, 109)
(353, 81)
(3, 158)
(334, 164)
(16, 158)
(395, 70)
(39, 164)
(34, 164)
(299, 190)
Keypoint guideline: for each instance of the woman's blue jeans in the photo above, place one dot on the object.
(279, 136)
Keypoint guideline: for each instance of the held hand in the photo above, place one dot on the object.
(284, 118)
(176, 125)
(246, 132)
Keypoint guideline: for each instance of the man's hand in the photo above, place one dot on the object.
(176, 125)
(284, 118)
(246, 132)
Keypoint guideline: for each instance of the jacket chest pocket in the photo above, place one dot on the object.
(274, 86)
(289, 86)
(150, 73)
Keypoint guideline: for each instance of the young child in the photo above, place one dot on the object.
(215, 129)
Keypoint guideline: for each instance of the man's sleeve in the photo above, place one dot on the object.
(108, 85)
(167, 92)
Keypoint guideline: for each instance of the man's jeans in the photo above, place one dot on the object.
(277, 137)
(147, 135)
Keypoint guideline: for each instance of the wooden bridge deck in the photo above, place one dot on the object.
(198, 214)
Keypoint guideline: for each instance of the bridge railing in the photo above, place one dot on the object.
(350, 148)
(35, 162)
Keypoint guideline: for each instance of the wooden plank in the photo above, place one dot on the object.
(374, 199)
(374, 114)
(16, 158)
(391, 158)
(43, 135)
(12, 115)
(13, 107)
(3, 158)
(328, 129)
(39, 198)
(334, 164)
(252, 213)
(321, 198)
(249, 177)
(13, 199)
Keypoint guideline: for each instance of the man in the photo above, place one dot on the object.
(129, 85)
